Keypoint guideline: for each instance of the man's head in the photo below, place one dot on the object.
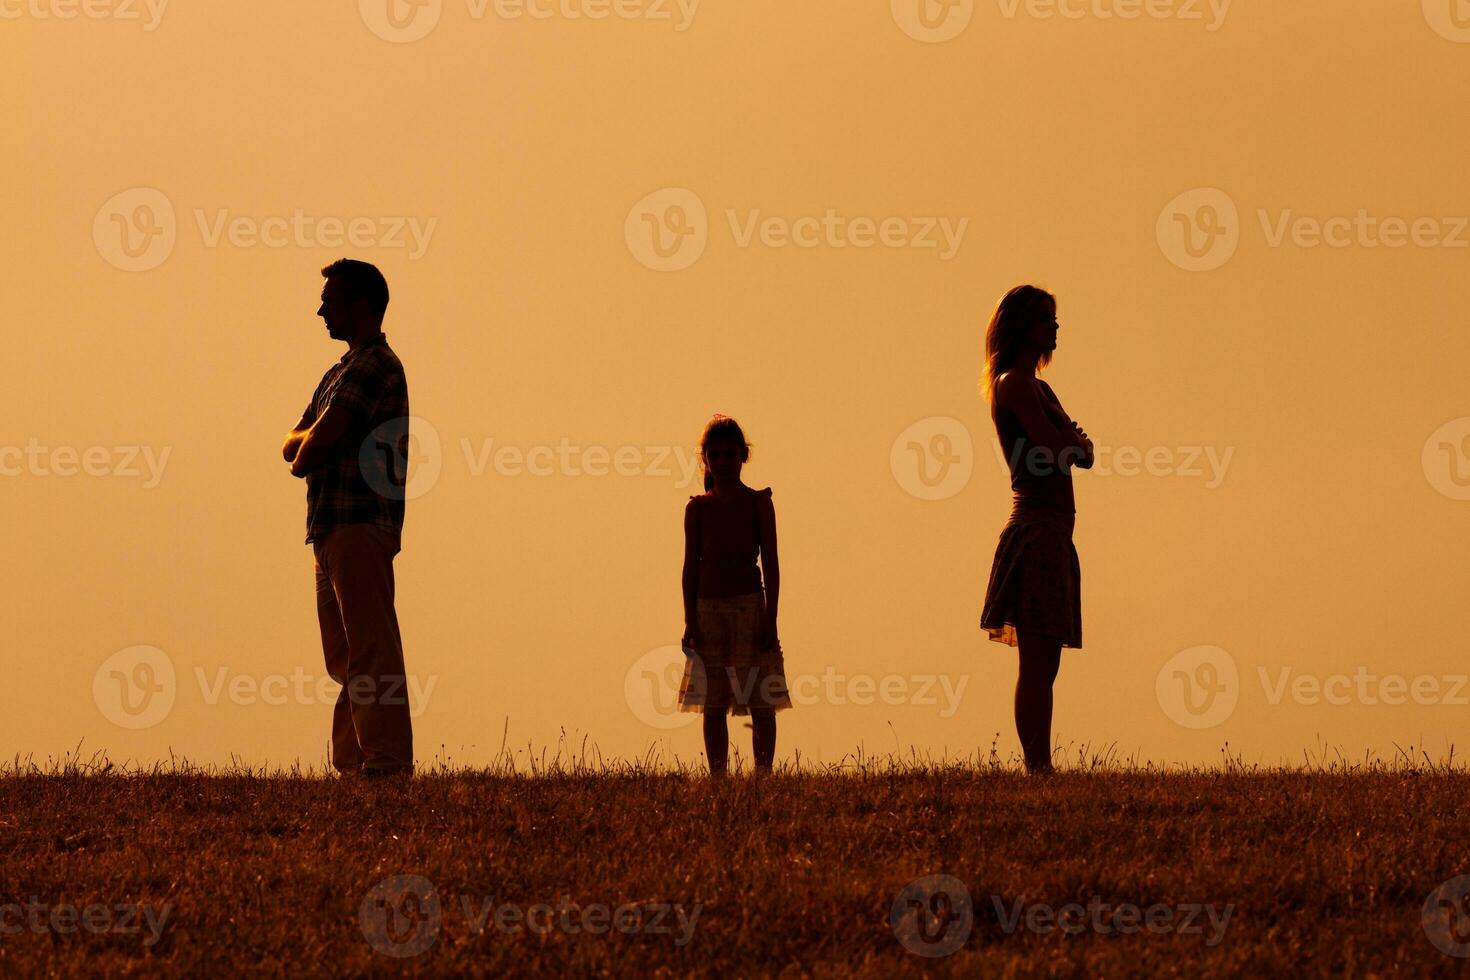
(354, 299)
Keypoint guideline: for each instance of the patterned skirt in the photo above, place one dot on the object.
(1035, 580)
(729, 671)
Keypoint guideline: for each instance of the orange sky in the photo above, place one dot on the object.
(1281, 397)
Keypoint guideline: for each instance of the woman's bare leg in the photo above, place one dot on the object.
(763, 735)
(716, 739)
(1040, 657)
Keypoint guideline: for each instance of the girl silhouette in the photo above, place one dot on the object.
(735, 661)
(1034, 598)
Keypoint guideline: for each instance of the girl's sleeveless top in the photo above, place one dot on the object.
(729, 543)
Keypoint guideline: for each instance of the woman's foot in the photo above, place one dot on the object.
(386, 772)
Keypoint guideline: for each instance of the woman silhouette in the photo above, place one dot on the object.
(1034, 598)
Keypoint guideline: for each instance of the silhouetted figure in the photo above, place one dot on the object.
(351, 448)
(1034, 598)
(735, 661)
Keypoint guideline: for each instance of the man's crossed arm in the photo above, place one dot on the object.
(311, 442)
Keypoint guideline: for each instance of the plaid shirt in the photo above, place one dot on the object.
(363, 481)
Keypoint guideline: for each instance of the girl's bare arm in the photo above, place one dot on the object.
(691, 565)
(770, 562)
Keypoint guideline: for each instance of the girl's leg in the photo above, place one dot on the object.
(716, 739)
(1040, 657)
(763, 735)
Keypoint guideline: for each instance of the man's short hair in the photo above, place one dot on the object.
(363, 281)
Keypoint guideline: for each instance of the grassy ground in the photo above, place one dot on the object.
(630, 871)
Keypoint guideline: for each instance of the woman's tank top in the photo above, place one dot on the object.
(729, 543)
(1036, 483)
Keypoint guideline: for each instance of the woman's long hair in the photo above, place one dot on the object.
(1006, 334)
(721, 428)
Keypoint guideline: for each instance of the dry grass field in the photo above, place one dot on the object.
(873, 868)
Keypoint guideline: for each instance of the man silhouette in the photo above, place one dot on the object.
(351, 448)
